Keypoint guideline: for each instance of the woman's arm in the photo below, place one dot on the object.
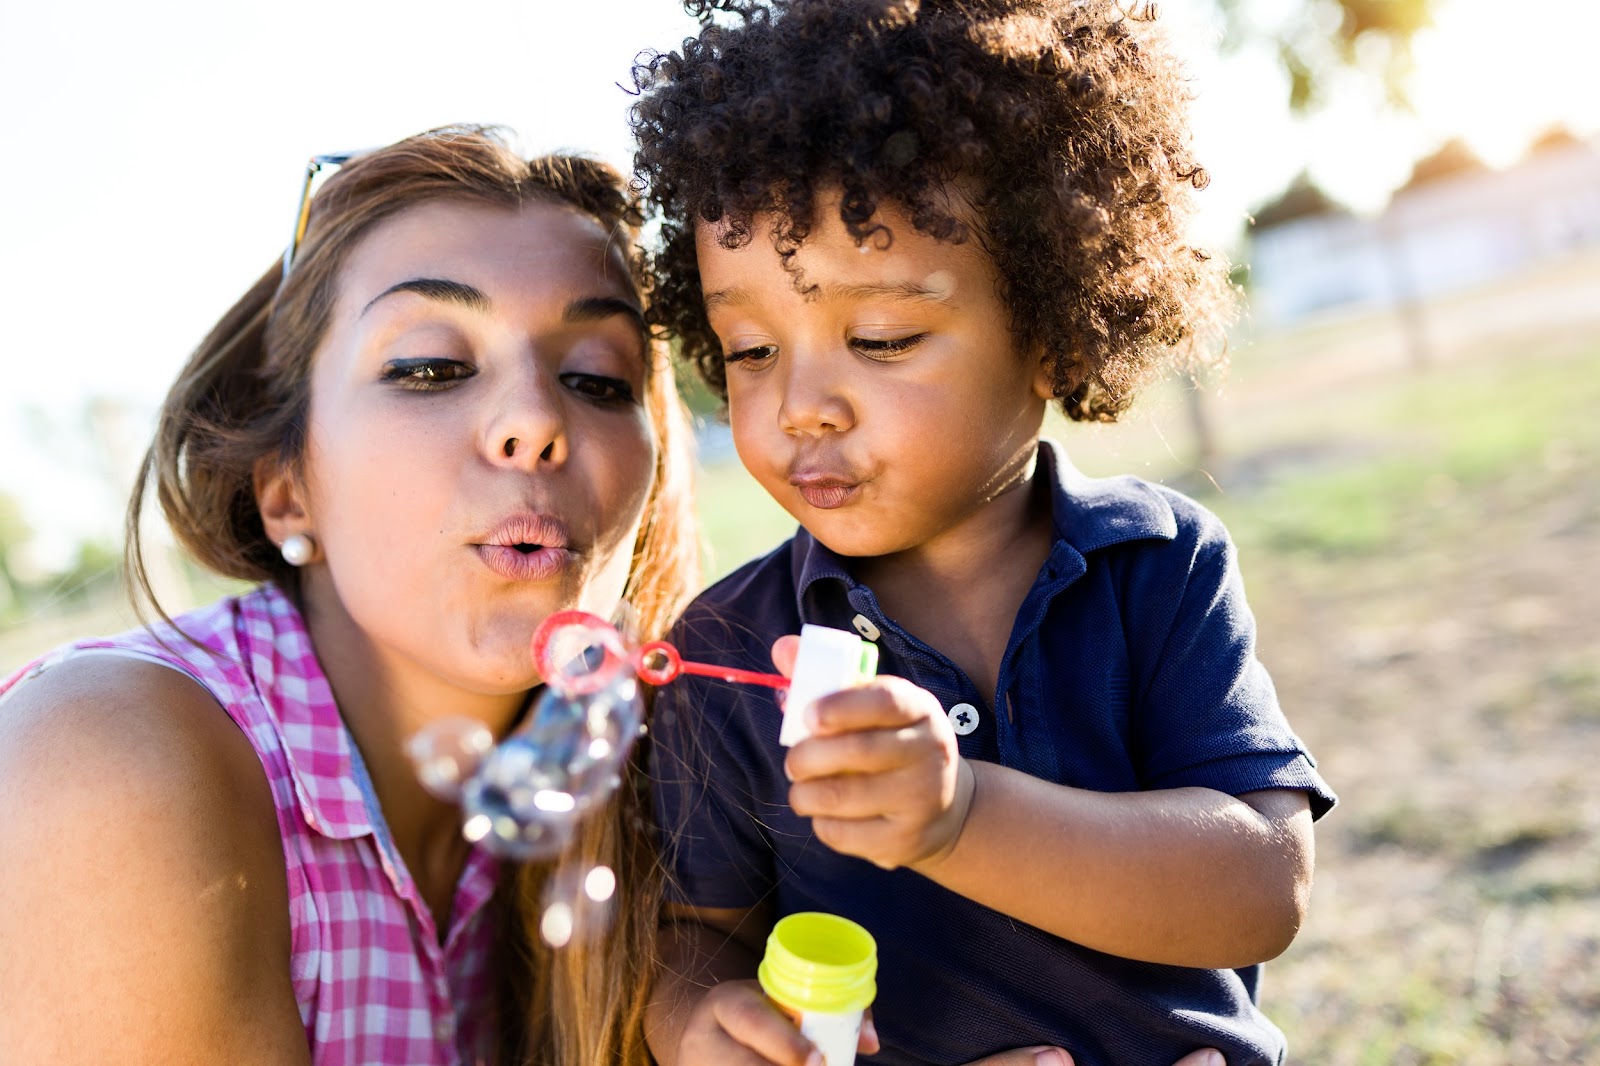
(143, 904)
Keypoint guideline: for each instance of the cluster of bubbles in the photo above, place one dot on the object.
(524, 797)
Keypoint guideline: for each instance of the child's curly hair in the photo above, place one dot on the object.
(1064, 122)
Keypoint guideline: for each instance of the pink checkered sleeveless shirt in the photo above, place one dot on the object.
(373, 982)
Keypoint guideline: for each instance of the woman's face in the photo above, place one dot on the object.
(479, 450)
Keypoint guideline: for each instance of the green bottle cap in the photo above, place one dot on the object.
(820, 962)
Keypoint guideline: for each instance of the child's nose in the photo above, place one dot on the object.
(814, 400)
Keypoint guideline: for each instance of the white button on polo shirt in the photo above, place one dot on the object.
(864, 626)
(964, 718)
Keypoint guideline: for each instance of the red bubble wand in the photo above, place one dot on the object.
(655, 663)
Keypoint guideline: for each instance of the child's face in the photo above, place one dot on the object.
(481, 384)
(887, 409)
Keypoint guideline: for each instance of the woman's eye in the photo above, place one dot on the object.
(599, 388)
(758, 354)
(882, 348)
(424, 375)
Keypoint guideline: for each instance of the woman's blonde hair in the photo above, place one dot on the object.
(244, 396)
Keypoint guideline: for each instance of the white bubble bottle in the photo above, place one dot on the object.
(828, 660)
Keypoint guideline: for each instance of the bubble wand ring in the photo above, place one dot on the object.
(656, 663)
(599, 633)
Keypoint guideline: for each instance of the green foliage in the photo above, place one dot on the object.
(14, 533)
(1315, 40)
(94, 576)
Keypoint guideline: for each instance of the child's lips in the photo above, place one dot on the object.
(825, 492)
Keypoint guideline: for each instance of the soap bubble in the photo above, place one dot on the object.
(556, 924)
(525, 797)
(448, 752)
(577, 903)
(600, 884)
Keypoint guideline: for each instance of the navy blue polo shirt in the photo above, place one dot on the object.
(1131, 665)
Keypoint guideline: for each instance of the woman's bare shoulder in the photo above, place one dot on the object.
(98, 732)
(144, 878)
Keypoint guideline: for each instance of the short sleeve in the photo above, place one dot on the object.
(701, 773)
(1207, 713)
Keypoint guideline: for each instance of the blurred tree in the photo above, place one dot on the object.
(1557, 138)
(14, 533)
(1302, 199)
(93, 577)
(1316, 39)
(1451, 159)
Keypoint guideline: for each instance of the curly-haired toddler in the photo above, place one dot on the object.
(1069, 810)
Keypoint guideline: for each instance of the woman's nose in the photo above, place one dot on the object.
(815, 401)
(527, 427)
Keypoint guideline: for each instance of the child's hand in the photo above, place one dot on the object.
(735, 1024)
(881, 777)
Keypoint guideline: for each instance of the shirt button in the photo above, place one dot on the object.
(444, 1029)
(864, 626)
(964, 718)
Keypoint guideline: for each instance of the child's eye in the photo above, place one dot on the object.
(603, 390)
(426, 374)
(884, 348)
(759, 354)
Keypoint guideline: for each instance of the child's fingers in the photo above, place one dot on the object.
(753, 1023)
(867, 1043)
(880, 841)
(883, 703)
(784, 651)
(872, 751)
(853, 795)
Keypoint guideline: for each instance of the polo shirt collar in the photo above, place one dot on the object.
(1087, 514)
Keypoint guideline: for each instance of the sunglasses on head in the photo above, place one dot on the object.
(329, 162)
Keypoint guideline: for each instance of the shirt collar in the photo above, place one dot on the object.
(324, 764)
(1086, 513)
(316, 744)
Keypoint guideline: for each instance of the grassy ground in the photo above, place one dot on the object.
(1425, 588)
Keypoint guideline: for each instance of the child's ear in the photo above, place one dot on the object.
(280, 498)
(1044, 375)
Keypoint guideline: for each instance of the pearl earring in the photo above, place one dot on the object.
(298, 549)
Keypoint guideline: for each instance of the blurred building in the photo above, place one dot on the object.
(1456, 223)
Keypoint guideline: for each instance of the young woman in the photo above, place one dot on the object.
(438, 421)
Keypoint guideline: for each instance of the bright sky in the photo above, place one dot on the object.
(156, 151)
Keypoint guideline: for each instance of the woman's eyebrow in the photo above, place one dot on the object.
(599, 308)
(442, 289)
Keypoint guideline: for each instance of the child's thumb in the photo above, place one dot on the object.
(784, 651)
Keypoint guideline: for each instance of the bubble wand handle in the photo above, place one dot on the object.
(659, 662)
(655, 663)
